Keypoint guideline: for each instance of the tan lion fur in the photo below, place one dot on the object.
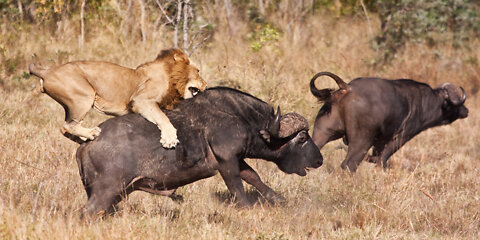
(115, 90)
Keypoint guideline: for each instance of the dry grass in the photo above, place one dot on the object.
(432, 190)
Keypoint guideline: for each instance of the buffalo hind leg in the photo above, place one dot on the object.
(251, 177)
(327, 128)
(357, 149)
(103, 198)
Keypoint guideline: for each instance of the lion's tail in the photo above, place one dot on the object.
(325, 94)
(37, 72)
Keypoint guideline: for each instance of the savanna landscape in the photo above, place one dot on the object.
(270, 49)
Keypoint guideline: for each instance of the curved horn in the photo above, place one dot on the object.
(292, 123)
(462, 100)
(453, 96)
(275, 127)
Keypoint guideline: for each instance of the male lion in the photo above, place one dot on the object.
(117, 90)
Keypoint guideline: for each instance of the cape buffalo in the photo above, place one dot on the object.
(222, 125)
(381, 113)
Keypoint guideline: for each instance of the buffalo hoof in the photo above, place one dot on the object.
(276, 199)
(176, 197)
(243, 204)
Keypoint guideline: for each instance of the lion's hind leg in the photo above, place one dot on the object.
(74, 114)
(115, 109)
(76, 95)
(76, 129)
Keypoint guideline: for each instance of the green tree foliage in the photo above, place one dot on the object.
(429, 21)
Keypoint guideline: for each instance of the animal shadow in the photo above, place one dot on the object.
(253, 197)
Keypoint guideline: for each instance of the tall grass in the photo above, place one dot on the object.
(431, 191)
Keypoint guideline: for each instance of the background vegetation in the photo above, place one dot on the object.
(271, 49)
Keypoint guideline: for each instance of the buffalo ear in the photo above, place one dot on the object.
(265, 135)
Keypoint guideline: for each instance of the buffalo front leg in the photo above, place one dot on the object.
(251, 177)
(229, 170)
(390, 148)
(376, 152)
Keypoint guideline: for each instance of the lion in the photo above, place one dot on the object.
(115, 90)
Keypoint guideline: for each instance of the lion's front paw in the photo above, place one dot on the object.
(169, 138)
(96, 132)
(92, 133)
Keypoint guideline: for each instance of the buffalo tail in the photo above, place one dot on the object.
(325, 94)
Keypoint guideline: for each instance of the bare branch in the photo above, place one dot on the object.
(179, 15)
(164, 12)
(368, 19)
(142, 20)
(199, 43)
(185, 23)
(196, 34)
(119, 10)
(20, 9)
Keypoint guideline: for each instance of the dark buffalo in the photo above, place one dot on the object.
(381, 113)
(222, 125)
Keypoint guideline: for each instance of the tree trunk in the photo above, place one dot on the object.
(81, 40)
(185, 24)
(228, 12)
(20, 9)
(175, 31)
(142, 21)
(261, 7)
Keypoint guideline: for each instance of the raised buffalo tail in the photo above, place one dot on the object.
(37, 72)
(325, 94)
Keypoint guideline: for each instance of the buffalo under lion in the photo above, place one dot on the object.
(222, 125)
(115, 90)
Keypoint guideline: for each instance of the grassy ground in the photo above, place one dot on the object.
(432, 190)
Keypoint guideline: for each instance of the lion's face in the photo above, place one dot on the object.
(195, 83)
(185, 81)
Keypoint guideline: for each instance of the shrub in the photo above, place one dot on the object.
(429, 21)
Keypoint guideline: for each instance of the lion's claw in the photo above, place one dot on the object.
(93, 133)
(169, 138)
(169, 144)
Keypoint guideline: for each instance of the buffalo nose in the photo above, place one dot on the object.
(463, 112)
(320, 161)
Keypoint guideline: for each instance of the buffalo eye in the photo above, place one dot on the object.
(302, 137)
(193, 90)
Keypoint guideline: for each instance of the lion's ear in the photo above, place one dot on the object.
(181, 58)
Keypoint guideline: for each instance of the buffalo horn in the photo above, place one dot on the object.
(464, 97)
(275, 127)
(292, 123)
(453, 95)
